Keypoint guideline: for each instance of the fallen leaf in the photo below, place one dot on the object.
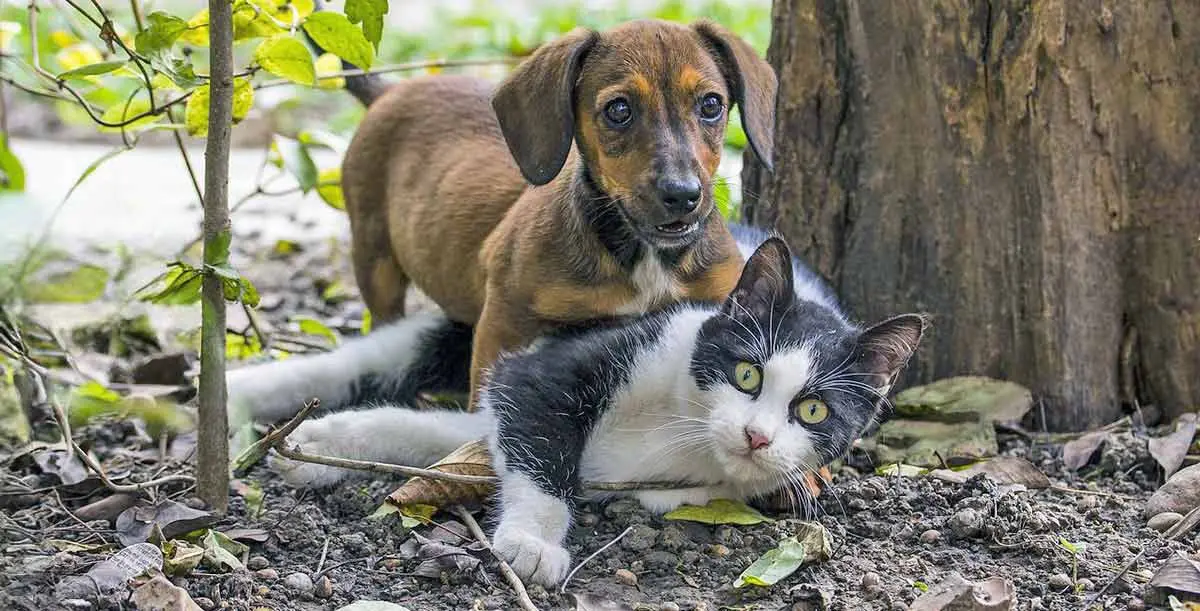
(901, 469)
(472, 458)
(926, 443)
(965, 399)
(1078, 452)
(954, 593)
(1005, 470)
(158, 593)
(810, 544)
(1178, 576)
(438, 557)
(172, 519)
(107, 508)
(63, 545)
(181, 557)
(112, 574)
(718, 511)
(591, 602)
(1179, 605)
(1170, 449)
(372, 605)
(253, 535)
(221, 552)
(62, 464)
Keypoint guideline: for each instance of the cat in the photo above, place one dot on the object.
(737, 398)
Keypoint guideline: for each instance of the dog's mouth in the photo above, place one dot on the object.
(676, 228)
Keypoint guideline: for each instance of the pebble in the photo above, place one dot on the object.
(205, 603)
(1135, 604)
(1035, 604)
(626, 577)
(966, 523)
(668, 606)
(718, 550)
(1087, 502)
(870, 580)
(620, 507)
(1058, 581)
(1085, 584)
(640, 539)
(857, 505)
(1162, 521)
(267, 574)
(299, 582)
(324, 588)
(257, 562)
(930, 536)
(1180, 494)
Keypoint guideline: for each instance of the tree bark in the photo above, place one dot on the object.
(1025, 171)
(212, 470)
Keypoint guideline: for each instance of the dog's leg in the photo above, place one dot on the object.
(493, 335)
(381, 281)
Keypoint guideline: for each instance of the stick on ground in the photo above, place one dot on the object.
(509, 574)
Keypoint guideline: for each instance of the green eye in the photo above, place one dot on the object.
(747, 377)
(811, 411)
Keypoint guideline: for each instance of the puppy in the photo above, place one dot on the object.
(579, 189)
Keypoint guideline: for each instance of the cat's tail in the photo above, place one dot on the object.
(419, 353)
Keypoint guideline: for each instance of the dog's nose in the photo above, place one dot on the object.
(679, 195)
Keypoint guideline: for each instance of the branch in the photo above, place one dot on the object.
(514, 581)
(406, 67)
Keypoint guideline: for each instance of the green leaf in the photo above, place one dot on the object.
(161, 32)
(238, 347)
(329, 187)
(296, 158)
(195, 116)
(179, 285)
(286, 57)
(809, 545)
(179, 72)
(125, 111)
(370, 13)
(312, 326)
(12, 173)
(366, 321)
(91, 70)
(180, 557)
(718, 511)
(335, 33)
(921, 585)
(83, 284)
(326, 65)
(90, 400)
(722, 197)
(221, 552)
(249, 295)
(735, 136)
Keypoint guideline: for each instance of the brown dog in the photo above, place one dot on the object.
(580, 189)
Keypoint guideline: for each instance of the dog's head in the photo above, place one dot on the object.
(647, 104)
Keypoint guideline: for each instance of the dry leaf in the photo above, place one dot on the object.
(158, 593)
(1179, 576)
(138, 523)
(1078, 452)
(1170, 450)
(591, 602)
(954, 593)
(472, 458)
(1002, 470)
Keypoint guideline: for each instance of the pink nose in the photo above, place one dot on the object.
(756, 440)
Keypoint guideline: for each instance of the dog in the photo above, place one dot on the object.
(578, 189)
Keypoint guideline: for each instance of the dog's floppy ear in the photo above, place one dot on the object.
(535, 105)
(753, 84)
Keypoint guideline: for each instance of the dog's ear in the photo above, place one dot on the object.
(535, 105)
(753, 84)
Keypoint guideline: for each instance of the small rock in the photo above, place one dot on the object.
(1035, 604)
(267, 574)
(873, 592)
(899, 606)
(967, 523)
(357, 542)
(640, 539)
(1085, 584)
(1162, 521)
(1060, 581)
(76, 603)
(620, 507)
(668, 606)
(718, 550)
(1180, 494)
(930, 536)
(206, 603)
(857, 504)
(870, 580)
(299, 582)
(1086, 503)
(257, 562)
(324, 588)
(626, 577)
(1135, 604)
(673, 538)
(589, 520)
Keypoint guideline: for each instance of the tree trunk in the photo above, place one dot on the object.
(212, 468)
(1027, 172)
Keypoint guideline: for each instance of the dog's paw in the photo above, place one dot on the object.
(311, 437)
(532, 557)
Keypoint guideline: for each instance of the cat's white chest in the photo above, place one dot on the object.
(653, 284)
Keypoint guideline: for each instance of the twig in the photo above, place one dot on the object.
(514, 581)
(1183, 526)
(563, 588)
(1121, 573)
(324, 554)
(406, 67)
(1069, 490)
(378, 467)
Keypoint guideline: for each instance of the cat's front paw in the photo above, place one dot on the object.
(532, 557)
(311, 437)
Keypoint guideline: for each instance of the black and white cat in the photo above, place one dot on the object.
(739, 397)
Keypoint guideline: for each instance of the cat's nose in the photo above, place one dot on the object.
(755, 439)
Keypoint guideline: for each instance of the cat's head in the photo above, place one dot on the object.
(789, 384)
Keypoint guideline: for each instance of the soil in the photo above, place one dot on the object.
(892, 536)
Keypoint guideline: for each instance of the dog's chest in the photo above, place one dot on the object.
(653, 285)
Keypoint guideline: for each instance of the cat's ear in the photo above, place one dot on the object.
(766, 282)
(885, 348)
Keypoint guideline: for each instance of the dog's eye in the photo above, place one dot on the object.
(618, 112)
(711, 108)
(747, 377)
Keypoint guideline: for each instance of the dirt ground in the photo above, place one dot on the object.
(892, 536)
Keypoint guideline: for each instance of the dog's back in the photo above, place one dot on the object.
(439, 137)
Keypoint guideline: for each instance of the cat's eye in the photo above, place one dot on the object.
(811, 411)
(747, 377)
